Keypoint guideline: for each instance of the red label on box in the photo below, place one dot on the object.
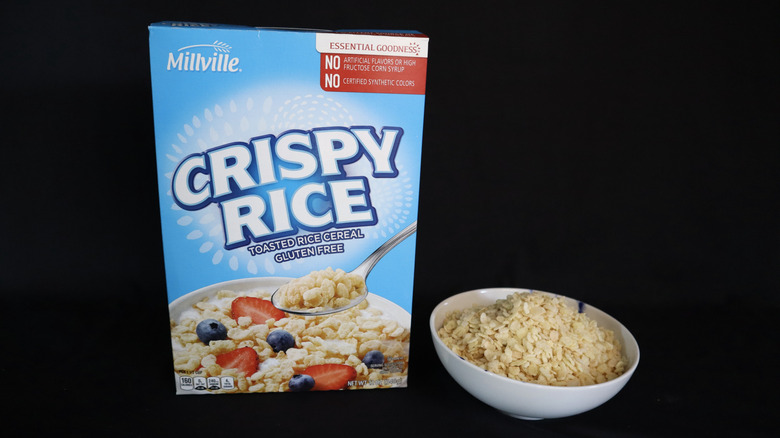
(372, 73)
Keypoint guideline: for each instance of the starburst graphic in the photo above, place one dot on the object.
(238, 120)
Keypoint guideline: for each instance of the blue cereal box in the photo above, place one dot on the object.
(288, 163)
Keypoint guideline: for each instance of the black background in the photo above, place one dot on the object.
(622, 153)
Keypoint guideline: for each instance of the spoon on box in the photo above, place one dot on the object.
(362, 270)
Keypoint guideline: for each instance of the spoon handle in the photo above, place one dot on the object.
(368, 264)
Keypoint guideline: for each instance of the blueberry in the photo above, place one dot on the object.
(374, 359)
(280, 340)
(301, 382)
(211, 330)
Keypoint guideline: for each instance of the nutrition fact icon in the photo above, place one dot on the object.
(199, 383)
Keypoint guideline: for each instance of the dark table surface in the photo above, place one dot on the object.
(705, 370)
(622, 154)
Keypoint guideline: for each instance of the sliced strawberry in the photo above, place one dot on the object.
(243, 359)
(258, 309)
(328, 377)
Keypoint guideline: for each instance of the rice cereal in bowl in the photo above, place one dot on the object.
(532, 354)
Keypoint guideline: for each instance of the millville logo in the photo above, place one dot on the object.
(192, 58)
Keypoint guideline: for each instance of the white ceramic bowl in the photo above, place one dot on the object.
(529, 401)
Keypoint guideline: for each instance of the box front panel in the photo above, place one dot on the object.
(265, 177)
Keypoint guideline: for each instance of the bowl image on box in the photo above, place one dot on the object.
(376, 327)
(520, 399)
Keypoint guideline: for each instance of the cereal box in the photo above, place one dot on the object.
(288, 164)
